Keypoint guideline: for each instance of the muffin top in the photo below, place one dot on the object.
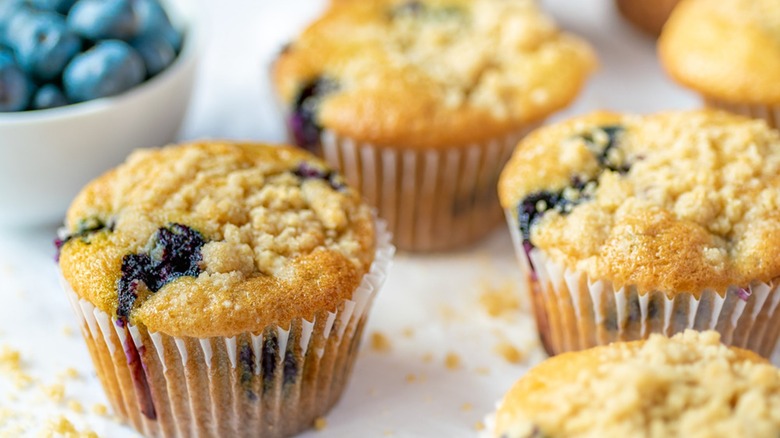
(216, 239)
(725, 49)
(673, 202)
(686, 386)
(432, 73)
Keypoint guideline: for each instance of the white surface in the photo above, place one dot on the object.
(47, 156)
(436, 295)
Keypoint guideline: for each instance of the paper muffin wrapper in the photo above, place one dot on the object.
(273, 382)
(574, 312)
(648, 15)
(433, 199)
(768, 113)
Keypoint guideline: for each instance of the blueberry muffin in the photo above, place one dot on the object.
(686, 386)
(420, 103)
(727, 51)
(222, 288)
(647, 15)
(628, 225)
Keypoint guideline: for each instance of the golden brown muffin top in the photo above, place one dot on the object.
(675, 202)
(726, 49)
(687, 386)
(432, 73)
(216, 239)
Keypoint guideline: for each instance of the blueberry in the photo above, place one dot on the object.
(156, 52)
(535, 205)
(103, 19)
(303, 120)
(15, 87)
(602, 147)
(86, 228)
(8, 10)
(49, 96)
(307, 171)
(109, 68)
(175, 252)
(59, 6)
(154, 21)
(43, 44)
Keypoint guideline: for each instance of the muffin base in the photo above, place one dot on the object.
(648, 15)
(271, 383)
(573, 312)
(768, 113)
(432, 199)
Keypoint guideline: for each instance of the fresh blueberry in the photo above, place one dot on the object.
(59, 6)
(176, 252)
(43, 44)
(109, 68)
(156, 52)
(8, 10)
(15, 87)
(303, 120)
(153, 21)
(49, 96)
(103, 19)
(84, 230)
(535, 205)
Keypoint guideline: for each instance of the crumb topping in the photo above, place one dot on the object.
(681, 202)
(412, 72)
(245, 234)
(690, 385)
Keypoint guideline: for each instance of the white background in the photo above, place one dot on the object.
(436, 295)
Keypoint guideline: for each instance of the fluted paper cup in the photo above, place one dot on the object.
(432, 199)
(574, 312)
(272, 382)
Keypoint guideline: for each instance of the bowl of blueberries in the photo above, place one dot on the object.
(82, 84)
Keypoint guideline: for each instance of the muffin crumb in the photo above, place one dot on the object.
(100, 409)
(452, 361)
(510, 353)
(466, 407)
(320, 423)
(380, 343)
(499, 301)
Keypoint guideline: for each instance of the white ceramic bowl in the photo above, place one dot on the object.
(47, 156)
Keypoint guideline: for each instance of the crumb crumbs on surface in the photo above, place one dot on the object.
(320, 423)
(380, 342)
(452, 361)
(75, 406)
(510, 353)
(411, 378)
(482, 371)
(479, 426)
(62, 427)
(67, 330)
(55, 392)
(466, 407)
(11, 364)
(389, 433)
(500, 301)
(407, 332)
(99, 409)
(427, 357)
(69, 373)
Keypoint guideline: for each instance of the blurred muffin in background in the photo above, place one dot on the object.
(647, 15)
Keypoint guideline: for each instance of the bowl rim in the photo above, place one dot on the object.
(186, 57)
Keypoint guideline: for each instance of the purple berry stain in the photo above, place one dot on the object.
(86, 228)
(303, 121)
(138, 373)
(743, 293)
(175, 252)
(307, 171)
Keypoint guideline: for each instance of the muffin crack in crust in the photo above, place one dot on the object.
(416, 73)
(681, 202)
(690, 385)
(244, 233)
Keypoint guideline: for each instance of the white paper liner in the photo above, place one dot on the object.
(574, 312)
(768, 113)
(207, 386)
(432, 199)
